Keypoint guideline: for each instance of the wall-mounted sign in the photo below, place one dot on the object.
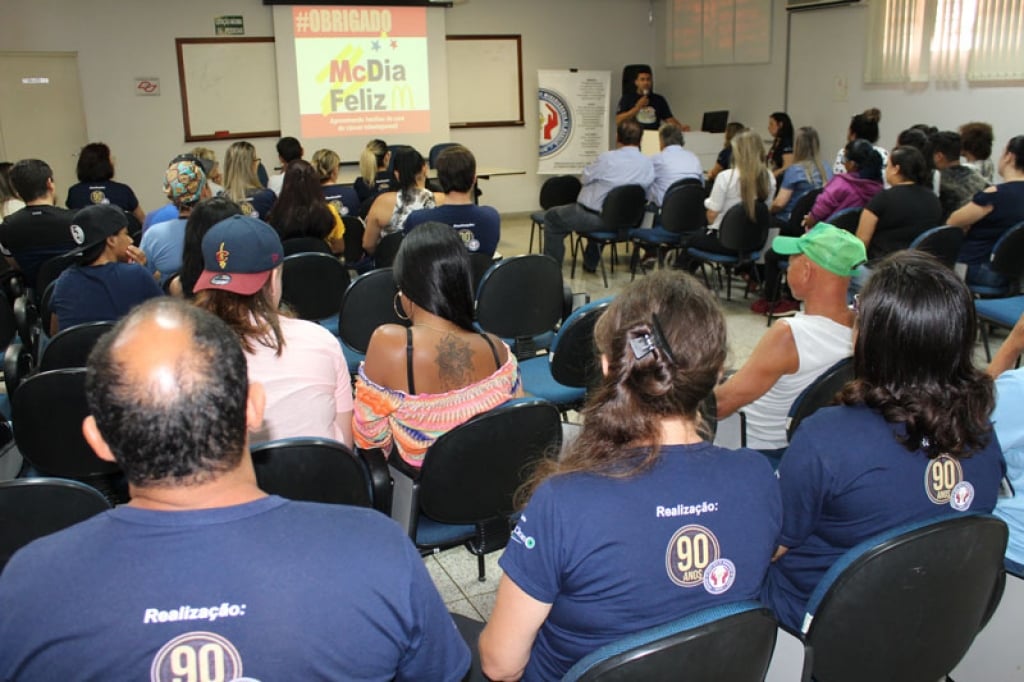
(229, 25)
(147, 87)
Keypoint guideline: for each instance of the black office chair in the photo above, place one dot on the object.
(722, 643)
(743, 236)
(943, 242)
(559, 190)
(463, 493)
(846, 219)
(312, 470)
(1007, 260)
(26, 318)
(368, 303)
(304, 245)
(905, 604)
(353, 239)
(18, 366)
(436, 150)
(31, 508)
(48, 410)
(520, 299)
(623, 210)
(682, 215)
(71, 346)
(313, 285)
(387, 249)
(50, 270)
(820, 393)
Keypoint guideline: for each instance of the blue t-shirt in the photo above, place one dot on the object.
(479, 227)
(101, 293)
(163, 245)
(160, 215)
(268, 590)
(845, 478)
(1007, 204)
(795, 179)
(105, 192)
(344, 199)
(617, 555)
(1010, 430)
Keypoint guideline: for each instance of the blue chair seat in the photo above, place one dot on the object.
(720, 257)
(430, 532)
(330, 324)
(538, 217)
(654, 236)
(986, 290)
(537, 381)
(1002, 311)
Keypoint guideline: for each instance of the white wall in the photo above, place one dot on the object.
(825, 44)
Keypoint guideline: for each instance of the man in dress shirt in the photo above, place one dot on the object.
(672, 164)
(625, 165)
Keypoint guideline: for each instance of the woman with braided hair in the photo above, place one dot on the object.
(641, 521)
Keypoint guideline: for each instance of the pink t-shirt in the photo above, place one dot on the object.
(306, 387)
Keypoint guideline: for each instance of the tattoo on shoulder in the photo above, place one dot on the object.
(454, 362)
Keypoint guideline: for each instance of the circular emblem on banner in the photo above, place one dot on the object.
(555, 122)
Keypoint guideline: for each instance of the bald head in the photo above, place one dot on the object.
(167, 388)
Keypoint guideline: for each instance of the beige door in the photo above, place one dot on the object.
(41, 113)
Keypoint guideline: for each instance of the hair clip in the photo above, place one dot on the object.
(642, 346)
(655, 339)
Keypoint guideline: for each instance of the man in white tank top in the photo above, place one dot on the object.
(793, 352)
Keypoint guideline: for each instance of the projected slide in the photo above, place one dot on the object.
(362, 71)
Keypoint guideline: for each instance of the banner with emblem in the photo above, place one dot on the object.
(574, 119)
(362, 71)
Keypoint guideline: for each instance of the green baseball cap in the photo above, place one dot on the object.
(834, 249)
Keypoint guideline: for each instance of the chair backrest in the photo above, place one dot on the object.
(304, 245)
(942, 242)
(913, 598)
(45, 311)
(819, 393)
(800, 210)
(312, 470)
(313, 284)
(71, 346)
(573, 355)
(368, 303)
(436, 150)
(31, 508)
(1008, 253)
(353, 238)
(26, 317)
(729, 642)
(846, 219)
(8, 323)
(739, 233)
(50, 270)
(18, 365)
(479, 264)
(682, 210)
(387, 249)
(520, 297)
(471, 473)
(624, 208)
(49, 408)
(559, 191)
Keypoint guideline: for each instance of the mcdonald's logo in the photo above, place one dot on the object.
(399, 95)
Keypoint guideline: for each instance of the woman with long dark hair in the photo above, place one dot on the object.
(301, 211)
(853, 188)
(421, 381)
(641, 521)
(780, 154)
(910, 440)
(389, 211)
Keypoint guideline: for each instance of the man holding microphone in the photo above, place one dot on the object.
(647, 107)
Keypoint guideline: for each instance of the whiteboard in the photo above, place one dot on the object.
(485, 81)
(228, 88)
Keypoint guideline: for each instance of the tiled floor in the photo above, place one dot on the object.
(455, 571)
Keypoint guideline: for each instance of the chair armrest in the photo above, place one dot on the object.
(380, 478)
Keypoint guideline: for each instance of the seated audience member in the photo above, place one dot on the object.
(301, 212)
(862, 127)
(205, 215)
(170, 211)
(391, 209)
(242, 182)
(989, 214)
(724, 159)
(804, 173)
(794, 351)
(9, 199)
(588, 563)
(624, 165)
(976, 141)
(32, 235)
(918, 137)
(895, 216)
(373, 173)
(420, 382)
(110, 278)
(854, 188)
(780, 154)
(299, 363)
(211, 166)
(288, 150)
(163, 243)
(479, 227)
(1009, 430)
(672, 164)
(958, 183)
(342, 198)
(96, 185)
(178, 578)
(910, 441)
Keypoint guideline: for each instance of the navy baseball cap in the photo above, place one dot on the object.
(239, 253)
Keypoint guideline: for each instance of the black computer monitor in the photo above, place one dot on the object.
(715, 121)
